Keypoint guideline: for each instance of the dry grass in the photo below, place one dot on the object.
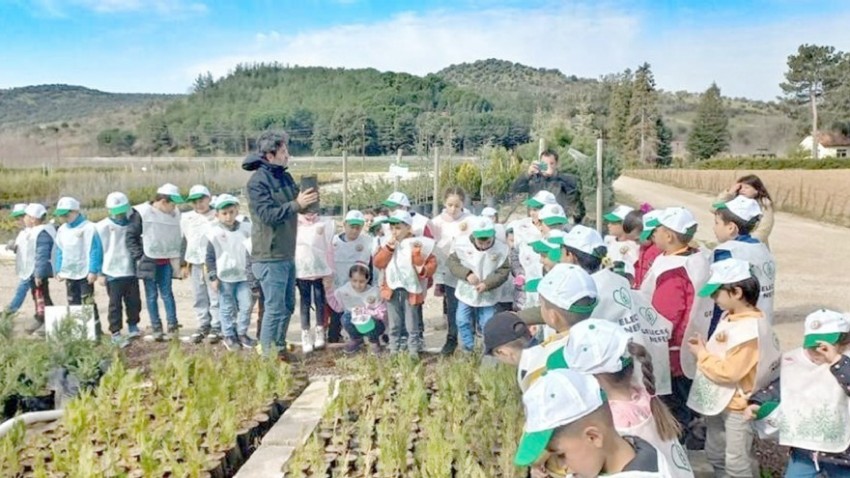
(822, 195)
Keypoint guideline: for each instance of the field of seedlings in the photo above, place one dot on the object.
(196, 415)
(821, 195)
(434, 419)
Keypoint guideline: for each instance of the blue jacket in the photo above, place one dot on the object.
(43, 253)
(274, 210)
(96, 253)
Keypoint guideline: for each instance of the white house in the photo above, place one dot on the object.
(830, 145)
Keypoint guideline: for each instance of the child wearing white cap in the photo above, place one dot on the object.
(551, 217)
(227, 261)
(155, 241)
(671, 286)
(569, 426)
(810, 403)
(408, 263)
(79, 255)
(452, 224)
(567, 296)
(119, 270)
(421, 226)
(525, 263)
(18, 247)
(642, 232)
(34, 263)
(734, 220)
(194, 225)
(480, 264)
(362, 309)
(623, 249)
(741, 356)
(351, 246)
(604, 350)
(314, 261)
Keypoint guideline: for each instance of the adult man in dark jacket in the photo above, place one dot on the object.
(545, 175)
(275, 201)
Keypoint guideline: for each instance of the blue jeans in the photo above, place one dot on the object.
(277, 280)
(801, 466)
(234, 301)
(20, 296)
(374, 336)
(160, 286)
(465, 314)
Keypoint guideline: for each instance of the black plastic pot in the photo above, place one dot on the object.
(36, 403)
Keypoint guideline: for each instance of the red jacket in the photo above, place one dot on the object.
(647, 255)
(674, 298)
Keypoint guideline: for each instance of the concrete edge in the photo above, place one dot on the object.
(292, 430)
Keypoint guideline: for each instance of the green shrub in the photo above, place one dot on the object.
(772, 163)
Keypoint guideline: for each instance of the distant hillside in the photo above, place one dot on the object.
(33, 105)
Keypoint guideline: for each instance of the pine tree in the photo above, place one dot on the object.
(618, 111)
(710, 134)
(665, 144)
(642, 139)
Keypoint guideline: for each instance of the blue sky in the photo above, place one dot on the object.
(161, 45)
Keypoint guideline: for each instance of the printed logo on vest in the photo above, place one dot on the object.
(622, 297)
(359, 248)
(648, 314)
(769, 269)
(680, 458)
(463, 226)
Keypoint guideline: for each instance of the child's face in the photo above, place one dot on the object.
(664, 239)
(581, 451)
(453, 205)
(401, 231)
(311, 216)
(227, 216)
(484, 243)
(352, 231)
(724, 231)
(748, 191)
(359, 282)
(534, 214)
(165, 206)
(368, 218)
(727, 300)
(549, 314)
(506, 355)
(201, 205)
(543, 228)
(616, 229)
(70, 217)
(548, 263)
(27, 221)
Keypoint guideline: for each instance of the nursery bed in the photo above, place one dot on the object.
(439, 418)
(190, 415)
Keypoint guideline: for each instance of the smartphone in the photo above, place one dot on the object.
(310, 182)
(542, 166)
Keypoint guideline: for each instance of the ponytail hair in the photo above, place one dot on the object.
(667, 425)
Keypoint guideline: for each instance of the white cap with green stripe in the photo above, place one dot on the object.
(743, 207)
(650, 222)
(565, 285)
(597, 346)
(676, 219)
(197, 192)
(483, 228)
(65, 205)
(551, 245)
(18, 210)
(355, 218)
(540, 199)
(172, 191)
(727, 271)
(559, 398)
(824, 326)
(225, 200)
(618, 214)
(583, 239)
(117, 203)
(553, 215)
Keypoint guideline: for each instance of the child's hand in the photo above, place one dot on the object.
(38, 282)
(481, 287)
(472, 279)
(91, 278)
(696, 344)
(750, 412)
(328, 283)
(539, 471)
(102, 280)
(519, 281)
(184, 272)
(828, 352)
(214, 285)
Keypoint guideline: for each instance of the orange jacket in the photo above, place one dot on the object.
(425, 265)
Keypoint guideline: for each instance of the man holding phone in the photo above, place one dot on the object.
(275, 201)
(545, 175)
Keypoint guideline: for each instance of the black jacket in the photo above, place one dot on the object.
(145, 266)
(274, 211)
(565, 187)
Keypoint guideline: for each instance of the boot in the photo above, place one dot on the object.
(450, 346)
(320, 338)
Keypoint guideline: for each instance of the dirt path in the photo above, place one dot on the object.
(811, 257)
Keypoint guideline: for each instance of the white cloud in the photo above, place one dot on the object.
(160, 7)
(586, 40)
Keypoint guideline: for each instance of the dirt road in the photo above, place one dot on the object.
(812, 258)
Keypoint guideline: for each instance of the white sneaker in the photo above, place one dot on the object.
(320, 337)
(306, 341)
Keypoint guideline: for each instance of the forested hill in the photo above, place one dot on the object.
(34, 105)
(329, 110)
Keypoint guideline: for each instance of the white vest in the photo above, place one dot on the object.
(400, 272)
(627, 252)
(195, 228)
(815, 408)
(25, 258)
(673, 452)
(446, 233)
(697, 266)
(420, 223)
(352, 300)
(75, 245)
(231, 253)
(710, 398)
(482, 264)
(161, 236)
(532, 362)
(346, 254)
(764, 268)
(117, 261)
(312, 244)
(525, 232)
(620, 304)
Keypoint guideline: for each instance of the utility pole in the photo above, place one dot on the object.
(395, 177)
(436, 198)
(599, 145)
(363, 146)
(541, 146)
(344, 181)
(642, 135)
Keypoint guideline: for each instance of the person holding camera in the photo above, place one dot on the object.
(545, 175)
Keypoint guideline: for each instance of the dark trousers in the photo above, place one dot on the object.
(677, 403)
(450, 311)
(335, 326)
(260, 300)
(124, 294)
(41, 297)
(312, 292)
(80, 292)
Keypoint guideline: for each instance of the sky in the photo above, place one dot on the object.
(160, 46)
